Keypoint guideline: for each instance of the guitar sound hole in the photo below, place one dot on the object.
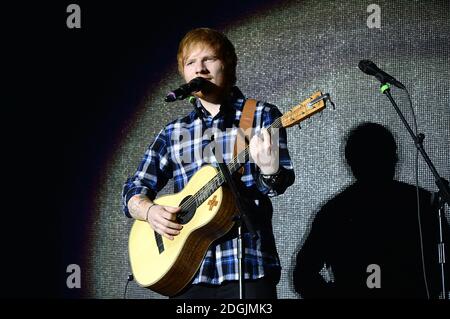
(187, 212)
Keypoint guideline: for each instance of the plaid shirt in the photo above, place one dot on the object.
(163, 161)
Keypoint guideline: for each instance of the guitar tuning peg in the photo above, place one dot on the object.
(332, 104)
(328, 97)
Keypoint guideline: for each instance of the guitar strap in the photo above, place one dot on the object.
(244, 130)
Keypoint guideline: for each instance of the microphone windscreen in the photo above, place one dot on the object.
(367, 67)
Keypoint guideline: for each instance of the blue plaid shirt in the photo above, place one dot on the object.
(163, 160)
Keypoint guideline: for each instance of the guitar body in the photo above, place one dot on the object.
(167, 266)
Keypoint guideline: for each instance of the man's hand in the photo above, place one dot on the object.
(264, 153)
(163, 220)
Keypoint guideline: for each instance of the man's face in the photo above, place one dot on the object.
(202, 61)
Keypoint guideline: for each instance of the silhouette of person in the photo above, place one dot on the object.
(367, 238)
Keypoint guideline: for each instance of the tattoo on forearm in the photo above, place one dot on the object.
(135, 204)
(141, 199)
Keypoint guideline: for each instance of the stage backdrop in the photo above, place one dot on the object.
(286, 52)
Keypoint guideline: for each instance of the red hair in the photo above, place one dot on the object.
(213, 39)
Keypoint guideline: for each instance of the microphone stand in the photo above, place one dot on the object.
(241, 216)
(442, 184)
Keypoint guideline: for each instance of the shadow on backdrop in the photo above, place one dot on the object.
(365, 242)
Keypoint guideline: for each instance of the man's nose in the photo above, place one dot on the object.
(200, 68)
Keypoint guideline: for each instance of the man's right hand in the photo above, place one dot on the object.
(163, 220)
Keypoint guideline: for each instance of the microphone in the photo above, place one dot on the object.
(370, 68)
(186, 89)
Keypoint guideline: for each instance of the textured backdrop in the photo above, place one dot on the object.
(286, 52)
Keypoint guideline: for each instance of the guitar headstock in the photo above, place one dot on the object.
(312, 105)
